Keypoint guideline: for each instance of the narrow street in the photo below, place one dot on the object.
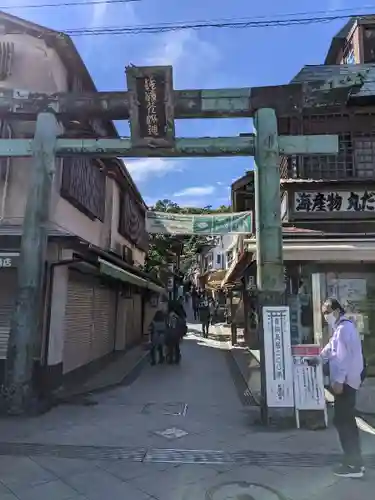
(173, 433)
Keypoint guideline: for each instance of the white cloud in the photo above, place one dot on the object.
(334, 5)
(193, 202)
(195, 191)
(184, 50)
(101, 15)
(141, 170)
(98, 14)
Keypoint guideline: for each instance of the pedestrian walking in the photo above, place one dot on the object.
(174, 335)
(204, 314)
(344, 363)
(158, 329)
(195, 303)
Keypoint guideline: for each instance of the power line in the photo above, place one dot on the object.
(65, 4)
(83, 3)
(197, 25)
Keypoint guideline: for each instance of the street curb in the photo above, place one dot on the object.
(246, 396)
(129, 374)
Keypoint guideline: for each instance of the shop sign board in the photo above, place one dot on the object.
(308, 380)
(278, 357)
(334, 201)
(8, 259)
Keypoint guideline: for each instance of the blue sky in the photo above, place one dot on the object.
(209, 58)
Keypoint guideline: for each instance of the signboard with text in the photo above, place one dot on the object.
(278, 357)
(8, 260)
(308, 380)
(326, 202)
(151, 106)
(216, 224)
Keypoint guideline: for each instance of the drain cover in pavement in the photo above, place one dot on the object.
(172, 433)
(241, 490)
(173, 409)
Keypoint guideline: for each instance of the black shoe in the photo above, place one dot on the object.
(349, 471)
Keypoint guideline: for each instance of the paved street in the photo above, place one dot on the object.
(175, 433)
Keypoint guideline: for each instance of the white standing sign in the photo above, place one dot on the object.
(308, 381)
(278, 357)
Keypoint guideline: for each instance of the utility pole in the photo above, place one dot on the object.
(269, 249)
(26, 318)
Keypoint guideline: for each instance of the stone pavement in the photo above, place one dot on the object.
(176, 433)
(114, 373)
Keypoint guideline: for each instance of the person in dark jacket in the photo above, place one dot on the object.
(195, 302)
(175, 332)
(158, 330)
(204, 314)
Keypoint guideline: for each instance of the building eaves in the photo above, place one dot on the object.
(338, 41)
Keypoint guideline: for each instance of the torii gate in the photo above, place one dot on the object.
(151, 104)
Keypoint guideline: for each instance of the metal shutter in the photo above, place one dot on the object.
(129, 325)
(78, 321)
(103, 337)
(8, 288)
(137, 311)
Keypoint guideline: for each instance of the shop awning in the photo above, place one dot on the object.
(237, 269)
(117, 273)
(215, 278)
(328, 250)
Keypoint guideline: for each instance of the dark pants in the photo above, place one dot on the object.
(156, 350)
(196, 313)
(205, 326)
(345, 423)
(173, 352)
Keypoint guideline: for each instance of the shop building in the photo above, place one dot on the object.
(328, 202)
(96, 299)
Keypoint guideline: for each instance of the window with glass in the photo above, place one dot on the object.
(349, 57)
(369, 44)
(364, 156)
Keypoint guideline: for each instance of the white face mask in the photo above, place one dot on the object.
(330, 318)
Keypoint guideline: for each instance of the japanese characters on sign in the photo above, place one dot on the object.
(334, 201)
(8, 259)
(308, 380)
(6, 262)
(278, 357)
(151, 106)
(219, 224)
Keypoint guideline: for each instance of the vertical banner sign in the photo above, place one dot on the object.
(278, 357)
(151, 106)
(308, 381)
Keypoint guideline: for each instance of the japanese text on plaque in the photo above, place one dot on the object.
(152, 121)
